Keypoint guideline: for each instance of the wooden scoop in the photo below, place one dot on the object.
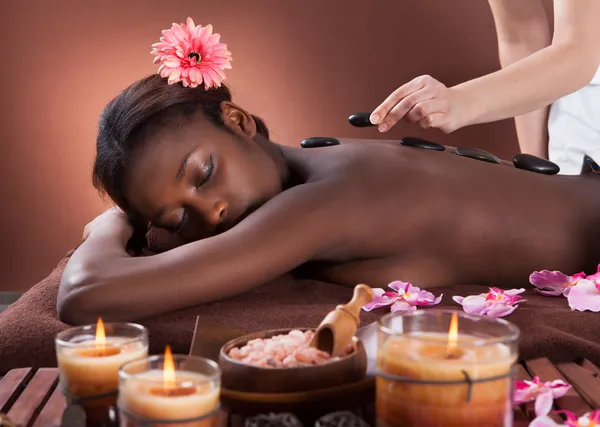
(339, 326)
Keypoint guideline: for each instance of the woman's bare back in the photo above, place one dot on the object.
(366, 212)
(436, 218)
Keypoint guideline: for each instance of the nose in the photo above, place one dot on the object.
(217, 213)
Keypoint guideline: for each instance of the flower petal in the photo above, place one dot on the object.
(474, 304)
(584, 296)
(571, 417)
(594, 416)
(551, 282)
(401, 305)
(553, 292)
(543, 403)
(558, 388)
(523, 392)
(425, 298)
(458, 299)
(380, 300)
(398, 286)
(513, 292)
(500, 309)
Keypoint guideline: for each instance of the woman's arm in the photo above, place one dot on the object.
(102, 280)
(530, 84)
(536, 81)
(522, 29)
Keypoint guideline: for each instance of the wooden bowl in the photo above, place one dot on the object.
(308, 406)
(243, 377)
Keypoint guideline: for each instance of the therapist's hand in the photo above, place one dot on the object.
(424, 101)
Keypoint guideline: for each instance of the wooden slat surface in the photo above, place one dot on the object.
(581, 379)
(11, 386)
(51, 414)
(31, 401)
(591, 367)
(31, 398)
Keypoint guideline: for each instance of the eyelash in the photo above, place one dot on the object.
(207, 177)
(209, 174)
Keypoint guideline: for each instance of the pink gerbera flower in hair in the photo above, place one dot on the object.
(191, 54)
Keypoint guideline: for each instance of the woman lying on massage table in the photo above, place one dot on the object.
(190, 160)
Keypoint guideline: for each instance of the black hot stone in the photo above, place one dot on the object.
(319, 141)
(341, 419)
(593, 165)
(360, 120)
(476, 153)
(532, 163)
(273, 420)
(421, 143)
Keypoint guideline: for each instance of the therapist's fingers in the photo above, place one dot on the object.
(426, 108)
(380, 113)
(438, 121)
(402, 108)
(431, 120)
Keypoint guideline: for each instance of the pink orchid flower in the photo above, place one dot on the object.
(582, 291)
(589, 419)
(405, 298)
(495, 303)
(543, 393)
(554, 283)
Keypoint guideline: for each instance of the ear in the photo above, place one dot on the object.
(237, 119)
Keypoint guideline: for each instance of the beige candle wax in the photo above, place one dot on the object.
(183, 394)
(424, 358)
(89, 358)
(89, 366)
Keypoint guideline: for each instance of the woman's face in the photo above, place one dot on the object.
(200, 180)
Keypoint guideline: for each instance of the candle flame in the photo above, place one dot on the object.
(100, 334)
(168, 370)
(453, 335)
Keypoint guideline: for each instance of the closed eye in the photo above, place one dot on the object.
(210, 169)
(208, 174)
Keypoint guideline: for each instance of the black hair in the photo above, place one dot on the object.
(145, 103)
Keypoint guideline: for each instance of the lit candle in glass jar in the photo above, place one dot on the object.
(89, 358)
(462, 377)
(170, 389)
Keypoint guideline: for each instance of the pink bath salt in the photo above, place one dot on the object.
(290, 361)
(282, 351)
(235, 353)
(298, 334)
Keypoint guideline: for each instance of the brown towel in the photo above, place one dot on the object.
(549, 328)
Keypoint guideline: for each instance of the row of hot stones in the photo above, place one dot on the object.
(520, 161)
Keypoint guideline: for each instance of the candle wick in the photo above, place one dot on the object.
(453, 353)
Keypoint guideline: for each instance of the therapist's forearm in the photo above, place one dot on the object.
(527, 85)
(532, 127)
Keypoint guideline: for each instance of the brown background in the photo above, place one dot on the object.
(304, 66)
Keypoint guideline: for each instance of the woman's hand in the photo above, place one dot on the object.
(113, 222)
(425, 101)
